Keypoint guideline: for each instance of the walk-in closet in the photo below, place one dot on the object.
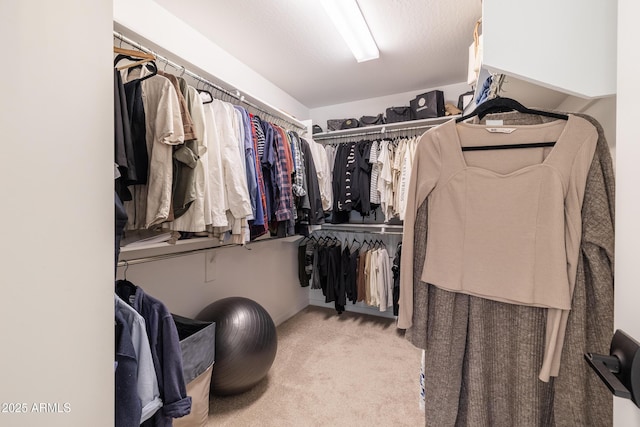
(227, 214)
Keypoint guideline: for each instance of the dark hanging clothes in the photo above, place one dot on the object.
(362, 179)
(341, 285)
(351, 286)
(123, 143)
(185, 160)
(135, 108)
(302, 274)
(344, 190)
(165, 351)
(313, 214)
(259, 226)
(360, 277)
(316, 280)
(120, 224)
(268, 162)
(329, 261)
(307, 251)
(335, 281)
(396, 279)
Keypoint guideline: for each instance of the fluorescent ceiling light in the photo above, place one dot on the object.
(348, 19)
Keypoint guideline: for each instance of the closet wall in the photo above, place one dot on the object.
(627, 295)
(263, 271)
(56, 310)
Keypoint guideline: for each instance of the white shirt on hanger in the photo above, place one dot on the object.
(215, 201)
(323, 170)
(195, 218)
(236, 194)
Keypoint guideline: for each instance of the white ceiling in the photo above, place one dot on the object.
(292, 43)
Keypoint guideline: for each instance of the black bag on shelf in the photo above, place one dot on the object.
(334, 124)
(350, 124)
(338, 124)
(372, 120)
(428, 105)
(316, 129)
(465, 99)
(399, 114)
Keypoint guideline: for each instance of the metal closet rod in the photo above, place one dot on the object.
(383, 131)
(278, 116)
(363, 228)
(134, 261)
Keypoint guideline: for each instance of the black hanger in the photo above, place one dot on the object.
(355, 241)
(151, 65)
(206, 96)
(125, 290)
(503, 105)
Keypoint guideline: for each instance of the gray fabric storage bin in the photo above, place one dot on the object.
(197, 342)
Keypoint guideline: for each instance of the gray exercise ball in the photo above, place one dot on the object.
(246, 344)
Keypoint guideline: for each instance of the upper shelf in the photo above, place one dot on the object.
(369, 130)
(567, 46)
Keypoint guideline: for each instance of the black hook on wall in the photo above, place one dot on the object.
(620, 370)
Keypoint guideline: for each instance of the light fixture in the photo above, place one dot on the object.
(348, 19)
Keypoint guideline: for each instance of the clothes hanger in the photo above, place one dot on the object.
(134, 53)
(136, 56)
(125, 288)
(503, 105)
(205, 96)
(150, 64)
(353, 243)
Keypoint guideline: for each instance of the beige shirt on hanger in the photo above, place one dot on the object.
(164, 129)
(503, 224)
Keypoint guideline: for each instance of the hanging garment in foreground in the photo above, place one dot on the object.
(465, 383)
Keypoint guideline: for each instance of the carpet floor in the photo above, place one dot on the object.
(331, 370)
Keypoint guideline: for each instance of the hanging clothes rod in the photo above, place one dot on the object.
(160, 257)
(274, 114)
(134, 261)
(363, 228)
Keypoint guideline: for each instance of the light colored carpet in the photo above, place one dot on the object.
(331, 370)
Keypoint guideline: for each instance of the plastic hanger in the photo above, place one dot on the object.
(149, 63)
(205, 96)
(503, 105)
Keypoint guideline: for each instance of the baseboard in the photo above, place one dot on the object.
(283, 317)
